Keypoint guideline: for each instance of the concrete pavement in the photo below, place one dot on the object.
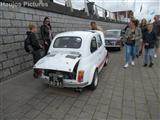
(122, 94)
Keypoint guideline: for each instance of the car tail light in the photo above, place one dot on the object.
(39, 72)
(80, 76)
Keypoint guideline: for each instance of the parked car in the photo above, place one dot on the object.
(113, 38)
(74, 60)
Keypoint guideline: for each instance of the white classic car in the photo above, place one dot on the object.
(74, 59)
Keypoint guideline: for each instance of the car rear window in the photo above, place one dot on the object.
(112, 33)
(68, 42)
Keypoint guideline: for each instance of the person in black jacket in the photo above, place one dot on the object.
(35, 47)
(149, 44)
(46, 33)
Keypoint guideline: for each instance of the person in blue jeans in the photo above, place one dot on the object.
(149, 44)
(131, 36)
(138, 41)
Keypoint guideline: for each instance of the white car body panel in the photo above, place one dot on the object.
(58, 61)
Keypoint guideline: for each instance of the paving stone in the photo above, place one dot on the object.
(32, 114)
(102, 108)
(128, 117)
(75, 111)
(92, 102)
(49, 110)
(112, 118)
(99, 116)
(89, 108)
(85, 116)
(142, 115)
(79, 104)
(40, 106)
(129, 110)
(70, 117)
(115, 112)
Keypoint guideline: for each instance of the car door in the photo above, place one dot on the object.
(101, 52)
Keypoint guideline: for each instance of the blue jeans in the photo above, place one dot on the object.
(137, 50)
(148, 55)
(130, 53)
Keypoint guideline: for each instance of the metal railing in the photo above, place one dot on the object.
(94, 10)
(102, 12)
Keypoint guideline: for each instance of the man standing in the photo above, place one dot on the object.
(94, 26)
(156, 29)
(46, 33)
(34, 47)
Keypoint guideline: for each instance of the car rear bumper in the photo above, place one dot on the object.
(67, 82)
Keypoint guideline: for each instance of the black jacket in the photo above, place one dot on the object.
(150, 38)
(144, 30)
(45, 33)
(33, 41)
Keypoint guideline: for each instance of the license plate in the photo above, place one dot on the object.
(56, 80)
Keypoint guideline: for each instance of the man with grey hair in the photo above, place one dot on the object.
(156, 29)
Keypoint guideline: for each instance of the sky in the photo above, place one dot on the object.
(149, 7)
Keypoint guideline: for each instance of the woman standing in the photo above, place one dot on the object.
(46, 33)
(131, 36)
(143, 27)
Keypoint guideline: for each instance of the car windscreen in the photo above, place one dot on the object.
(68, 42)
(112, 33)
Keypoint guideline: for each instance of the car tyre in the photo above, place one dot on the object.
(106, 61)
(95, 81)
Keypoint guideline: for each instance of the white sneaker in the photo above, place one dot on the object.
(133, 63)
(126, 65)
(155, 55)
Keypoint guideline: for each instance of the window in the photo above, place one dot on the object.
(68, 42)
(93, 47)
(99, 40)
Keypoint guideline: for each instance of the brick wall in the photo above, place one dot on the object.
(13, 26)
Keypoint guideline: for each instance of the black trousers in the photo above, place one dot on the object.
(47, 46)
(37, 55)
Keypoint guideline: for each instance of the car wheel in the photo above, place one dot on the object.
(106, 61)
(95, 81)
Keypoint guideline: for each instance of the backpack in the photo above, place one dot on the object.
(27, 44)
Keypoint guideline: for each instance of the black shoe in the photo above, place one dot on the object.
(137, 56)
(145, 65)
(150, 65)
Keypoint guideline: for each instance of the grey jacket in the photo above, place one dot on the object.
(138, 35)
